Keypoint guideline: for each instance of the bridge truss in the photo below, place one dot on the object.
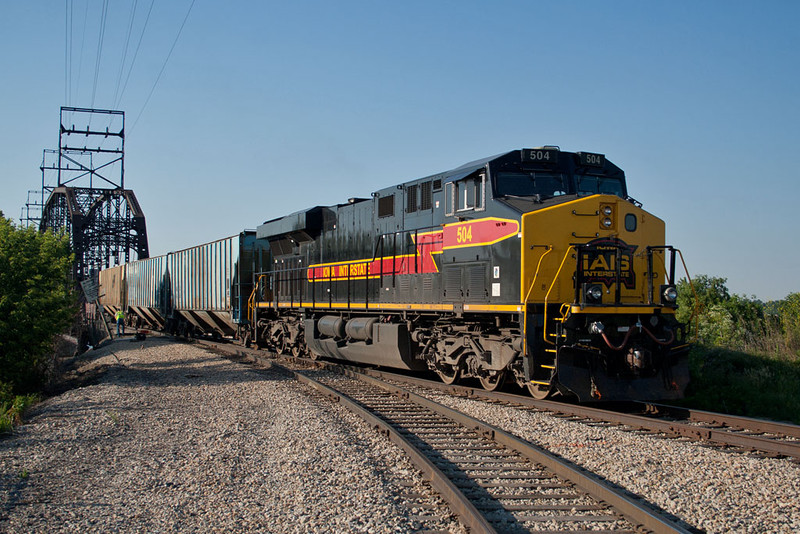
(87, 199)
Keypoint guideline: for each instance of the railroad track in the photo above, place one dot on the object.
(768, 438)
(746, 434)
(492, 480)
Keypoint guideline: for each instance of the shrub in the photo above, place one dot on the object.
(36, 302)
(12, 409)
(740, 383)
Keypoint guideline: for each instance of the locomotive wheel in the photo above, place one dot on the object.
(539, 391)
(493, 381)
(299, 348)
(282, 345)
(448, 373)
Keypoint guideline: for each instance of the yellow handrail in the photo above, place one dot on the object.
(251, 301)
(696, 312)
(552, 285)
(527, 296)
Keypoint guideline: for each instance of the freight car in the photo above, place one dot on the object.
(532, 266)
(201, 290)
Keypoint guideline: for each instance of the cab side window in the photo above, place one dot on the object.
(467, 194)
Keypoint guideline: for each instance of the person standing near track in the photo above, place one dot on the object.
(120, 318)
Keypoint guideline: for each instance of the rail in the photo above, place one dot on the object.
(493, 480)
(715, 428)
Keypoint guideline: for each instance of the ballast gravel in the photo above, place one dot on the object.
(171, 438)
(711, 489)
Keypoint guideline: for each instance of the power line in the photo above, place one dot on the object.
(67, 49)
(125, 50)
(83, 40)
(164, 66)
(99, 48)
(135, 55)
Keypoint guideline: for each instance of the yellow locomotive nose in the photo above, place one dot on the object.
(597, 306)
(619, 230)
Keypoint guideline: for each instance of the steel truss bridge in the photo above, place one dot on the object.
(87, 199)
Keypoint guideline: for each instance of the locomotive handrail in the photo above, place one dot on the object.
(552, 285)
(696, 311)
(379, 238)
(301, 275)
(251, 301)
(548, 250)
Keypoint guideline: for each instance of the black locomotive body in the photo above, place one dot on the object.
(532, 266)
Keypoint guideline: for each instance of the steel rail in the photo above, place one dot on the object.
(638, 513)
(632, 510)
(458, 502)
(672, 428)
(691, 430)
(736, 421)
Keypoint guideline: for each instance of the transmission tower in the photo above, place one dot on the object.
(84, 182)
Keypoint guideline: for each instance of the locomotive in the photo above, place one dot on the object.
(532, 266)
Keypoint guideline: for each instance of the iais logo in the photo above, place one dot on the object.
(600, 258)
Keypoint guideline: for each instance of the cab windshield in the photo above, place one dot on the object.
(597, 185)
(528, 184)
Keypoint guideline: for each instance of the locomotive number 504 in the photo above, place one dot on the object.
(464, 234)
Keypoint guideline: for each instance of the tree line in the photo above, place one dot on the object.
(736, 322)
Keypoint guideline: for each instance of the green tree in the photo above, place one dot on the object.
(723, 319)
(710, 290)
(789, 309)
(36, 302)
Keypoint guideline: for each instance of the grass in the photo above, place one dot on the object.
(743, 383)
(12, 408)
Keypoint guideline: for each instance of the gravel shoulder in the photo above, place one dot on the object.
(169, 437)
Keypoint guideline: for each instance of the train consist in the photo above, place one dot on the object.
(533, 266)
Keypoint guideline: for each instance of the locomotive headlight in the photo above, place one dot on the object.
(606, 213)
(669, 295)
(593, 293)
(596, 292)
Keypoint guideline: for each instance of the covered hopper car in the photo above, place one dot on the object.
(194, 291)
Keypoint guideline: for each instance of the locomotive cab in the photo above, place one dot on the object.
(597, 281)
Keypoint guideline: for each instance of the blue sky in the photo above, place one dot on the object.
(265, 108)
